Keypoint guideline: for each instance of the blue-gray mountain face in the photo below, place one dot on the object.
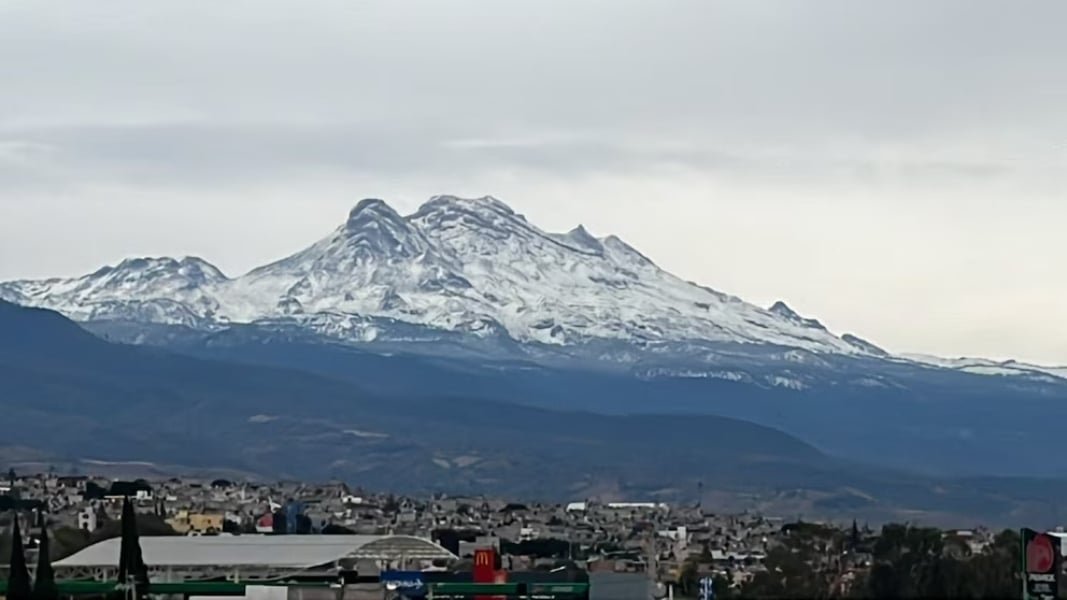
(67, 396)
(466, 297)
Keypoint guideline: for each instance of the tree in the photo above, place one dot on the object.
(279, 524)
(687, 578)
(5, 546)
(391, 505)
(303, 524)
(996, 570)
(790, 574)
(94, 491)
(133, 572)
(804, 566)
(883, 582)
(911, 562)
(44, 585)
(68, 540)
(18, 578)
(147, 524)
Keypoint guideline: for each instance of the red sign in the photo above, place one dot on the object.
(485, 571)
(1040, 555)
(484, 565)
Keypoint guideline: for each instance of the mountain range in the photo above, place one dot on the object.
(72, 401)
(74, 396)
(466, 298)
(474, 273)
(455, 265)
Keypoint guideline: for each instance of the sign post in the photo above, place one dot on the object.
(406, 583)
(485, 570)
(707, 588)
(1041, 562)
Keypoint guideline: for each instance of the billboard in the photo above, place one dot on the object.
(1041, 565)
(485, 570)
(484, 565)
(407, 583)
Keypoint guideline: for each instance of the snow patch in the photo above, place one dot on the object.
(366, 434)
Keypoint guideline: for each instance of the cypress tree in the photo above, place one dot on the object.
(133, 572)
(44, 585)
(18, 579)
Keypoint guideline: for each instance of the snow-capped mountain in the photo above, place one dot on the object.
(474, 269)
(461, 265)
(156, 290)
(465, 298)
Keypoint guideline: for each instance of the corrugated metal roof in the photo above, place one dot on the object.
(282, 551)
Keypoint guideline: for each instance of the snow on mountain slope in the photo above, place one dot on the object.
(155, 290)
(467, 265)
(374, 264)
(782, 310)
(985, 366)
(864, 346)
(560, 289)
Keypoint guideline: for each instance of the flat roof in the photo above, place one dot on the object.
(281, 551)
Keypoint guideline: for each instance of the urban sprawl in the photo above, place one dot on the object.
(674, 546)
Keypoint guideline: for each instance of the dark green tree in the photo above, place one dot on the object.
(791, 573)
(133, 572)
(723, 589)
(883, 582)
(44, 584)
(303, 524)
(18, 578)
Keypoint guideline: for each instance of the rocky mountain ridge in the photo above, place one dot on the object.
(474, 273)
(469, 265)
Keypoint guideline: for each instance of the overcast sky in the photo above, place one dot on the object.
(897, 169)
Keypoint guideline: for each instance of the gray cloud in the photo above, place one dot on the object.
(209, 154)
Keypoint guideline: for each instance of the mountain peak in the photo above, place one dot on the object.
(863, 345)
(375, 227)
(371, 208)
(194, 265)
(452, 215)
(485, 206)
(633, 255)
(581, 238)
(782, 309)
(483, 202)
(191, 267)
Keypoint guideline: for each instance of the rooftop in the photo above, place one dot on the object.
(273, 551)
